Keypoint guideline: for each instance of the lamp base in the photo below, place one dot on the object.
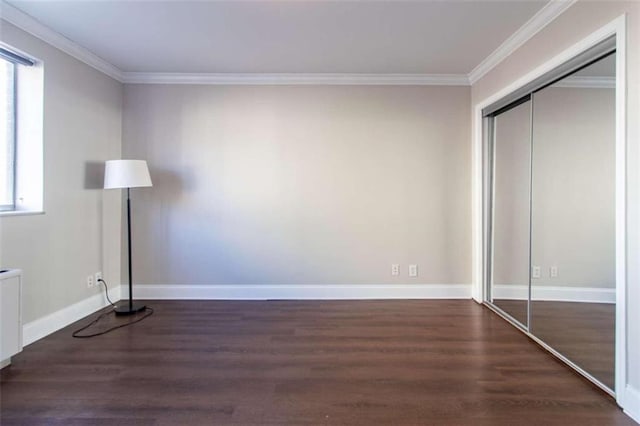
(123, 308)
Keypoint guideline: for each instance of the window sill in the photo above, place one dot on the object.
(21, 213)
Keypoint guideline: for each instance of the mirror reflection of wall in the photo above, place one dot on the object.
(573, 217)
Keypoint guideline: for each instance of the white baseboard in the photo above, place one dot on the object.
(44, 326)
(36, 330)
(555, 293)
(632, 403)
(301, 292)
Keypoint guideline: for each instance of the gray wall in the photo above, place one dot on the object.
(574, 186)
(511, 208)
(79, 234)
(300, 184)
(573, 190)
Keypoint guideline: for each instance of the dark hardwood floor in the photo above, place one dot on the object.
(433, 362)
(582, 332)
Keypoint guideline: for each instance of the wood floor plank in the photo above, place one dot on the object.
(300, 363)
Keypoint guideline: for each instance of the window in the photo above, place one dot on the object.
(21, 186)
(7, 135)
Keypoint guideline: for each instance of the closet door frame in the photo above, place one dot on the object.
(481, 185)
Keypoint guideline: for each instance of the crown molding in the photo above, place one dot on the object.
(27, 23)
(541, 19)
(297, 79)
(34, 27)
(587, 82)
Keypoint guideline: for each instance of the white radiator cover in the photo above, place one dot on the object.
(10, 315)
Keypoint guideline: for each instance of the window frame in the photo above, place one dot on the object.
(28, 133)
(13, 143)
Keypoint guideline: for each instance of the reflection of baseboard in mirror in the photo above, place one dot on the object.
(555, 293)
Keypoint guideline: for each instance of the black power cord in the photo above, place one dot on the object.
(106, 291)
(77, 334)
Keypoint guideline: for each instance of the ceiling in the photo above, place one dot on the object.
(303, 36)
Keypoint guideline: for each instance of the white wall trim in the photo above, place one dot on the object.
(632, 406)
(36, 330)
(533, 26)
(555, 293)
(616, 27)
(297, 79)
(619, 28)
(302, 292)
(34, 27)
(587, 82)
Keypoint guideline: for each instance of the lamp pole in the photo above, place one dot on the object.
(129, 308)
(129, 249)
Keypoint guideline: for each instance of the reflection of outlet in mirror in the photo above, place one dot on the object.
(413, 270)
(395, 269)
(89, 281)
(553, 271)
(535, 273)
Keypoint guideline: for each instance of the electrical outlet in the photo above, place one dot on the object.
(536, 272)
(553, 272)
(413, 270)
(98, 277)
(90, 281)
(395, 269)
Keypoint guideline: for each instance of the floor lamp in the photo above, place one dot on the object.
(119, 174)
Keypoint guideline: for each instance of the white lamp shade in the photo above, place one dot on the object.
(126, 174)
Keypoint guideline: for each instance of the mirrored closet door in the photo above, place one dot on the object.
(552, 214)
(573, 218)
(511, 211)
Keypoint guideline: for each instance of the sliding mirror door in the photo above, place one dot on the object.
(510, 226)
(573, 218)
(551, 211)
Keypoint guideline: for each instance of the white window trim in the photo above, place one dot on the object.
(29, 172)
